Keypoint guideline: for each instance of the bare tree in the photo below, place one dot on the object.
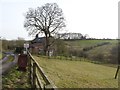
(47, 19)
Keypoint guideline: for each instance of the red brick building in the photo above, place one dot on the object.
(37, 45)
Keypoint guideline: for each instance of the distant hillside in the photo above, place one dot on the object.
(98, 50)
(80, 44)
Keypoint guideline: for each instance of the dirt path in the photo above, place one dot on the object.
(5, 67)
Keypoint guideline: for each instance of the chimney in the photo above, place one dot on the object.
(36, 35)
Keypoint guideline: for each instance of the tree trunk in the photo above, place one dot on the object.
(46, 45)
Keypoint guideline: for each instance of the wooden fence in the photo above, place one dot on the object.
(37, 77)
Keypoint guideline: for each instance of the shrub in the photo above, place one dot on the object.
(83, 54)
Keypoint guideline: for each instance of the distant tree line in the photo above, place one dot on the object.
(12, 44)
(76, 36)
(71, 36)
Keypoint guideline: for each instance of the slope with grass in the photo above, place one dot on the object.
(95, 50)
(104, 51)
(80, 44)
(78, 74)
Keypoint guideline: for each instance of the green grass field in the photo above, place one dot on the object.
(78, 74)
(104, 48)
(80, 44)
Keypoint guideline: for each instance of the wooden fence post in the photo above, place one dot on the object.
(34, 75)
(117, 71)
(35, 81)
(29, 68)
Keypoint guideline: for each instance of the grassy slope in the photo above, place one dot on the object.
(104, 48)
(79, 44)
(101, 50)
(78, 74)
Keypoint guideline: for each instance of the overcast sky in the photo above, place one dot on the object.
(97, 18)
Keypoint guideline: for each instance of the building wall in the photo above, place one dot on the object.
(36, 47)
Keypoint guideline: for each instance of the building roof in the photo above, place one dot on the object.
(38, 40)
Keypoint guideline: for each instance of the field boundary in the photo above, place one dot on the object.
(37, 76)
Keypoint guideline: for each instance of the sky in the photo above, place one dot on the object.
(97, 18)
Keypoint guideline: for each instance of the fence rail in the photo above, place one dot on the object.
(37, 76)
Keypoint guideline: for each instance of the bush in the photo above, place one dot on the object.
(98, 57)
(19, 49)
(83, 54)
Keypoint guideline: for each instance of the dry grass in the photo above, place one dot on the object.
(78, 74)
